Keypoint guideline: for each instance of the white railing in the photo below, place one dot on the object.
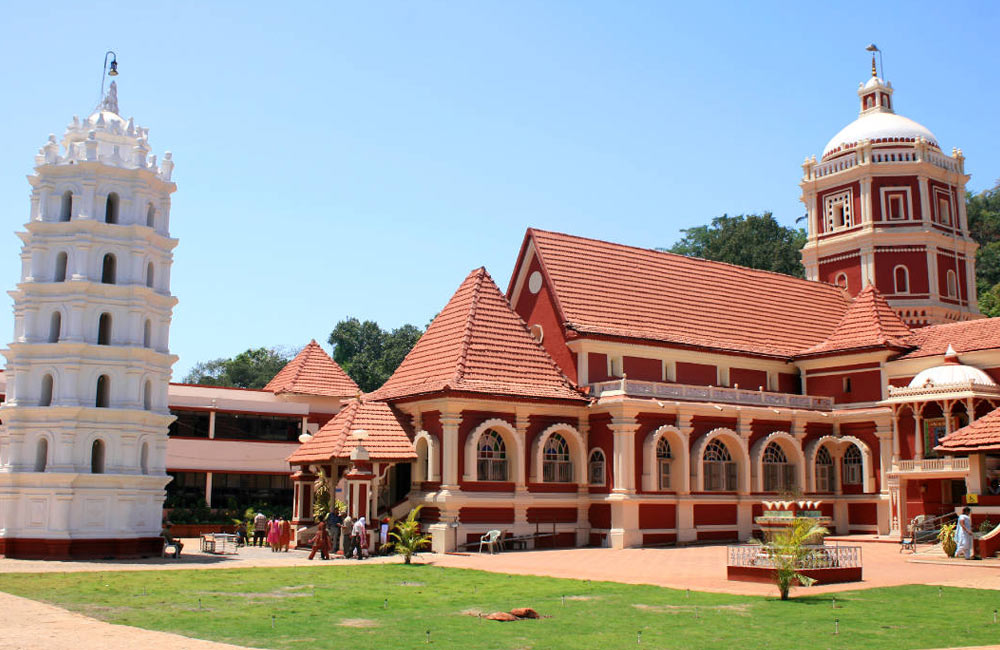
(688, 392)
(819, 557)
(883, 156)
(834, 166)
(938, 389)
(947, 464)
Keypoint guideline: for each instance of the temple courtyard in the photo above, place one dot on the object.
(672, 596)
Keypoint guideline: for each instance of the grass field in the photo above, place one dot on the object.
(393, 606)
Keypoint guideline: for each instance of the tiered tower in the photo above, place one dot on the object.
(84, 435)
(887, 207)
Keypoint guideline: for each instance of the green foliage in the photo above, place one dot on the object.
(788, 549)
(250, 369)
(986, 526)
(983, 210)
(753, 240)
(946, 537)
(369, 354)
(407, 538)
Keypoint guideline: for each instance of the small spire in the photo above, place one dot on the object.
(110, 101)
(950, 356)
(874, 73)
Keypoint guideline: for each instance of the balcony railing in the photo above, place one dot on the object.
(902, 155)
(946, 464)
(687, 392)
(940, 389)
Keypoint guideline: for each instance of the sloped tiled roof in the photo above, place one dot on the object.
(981, 435)
(477, 344)
(621, 291)
(387, 439)
(313, 372)
(869, 323)
(966, 336)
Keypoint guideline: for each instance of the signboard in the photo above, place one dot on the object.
(972, 499)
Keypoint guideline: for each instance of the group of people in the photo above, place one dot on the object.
(340, 531)
(275, 531)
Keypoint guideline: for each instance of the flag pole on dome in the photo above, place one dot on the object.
(107, 72)
(873, 49)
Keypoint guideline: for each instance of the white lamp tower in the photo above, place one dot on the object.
(84, 434)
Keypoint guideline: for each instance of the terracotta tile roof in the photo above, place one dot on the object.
(869, 323)
(313, 372)
(983, 434)
(477, 344)
(622, 291)
(966, 336)
(388, 435)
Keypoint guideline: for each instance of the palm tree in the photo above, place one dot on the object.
(789, 550)
(407, 537)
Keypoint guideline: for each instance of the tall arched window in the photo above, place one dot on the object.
(97, 457)
(59, 275)
(104, 329)
(663, 460)
(719, 468)
(149, 275)
(45, 399)
(144, 458)
(952, 284)
(66, 206)
(491, 458)
(595, 467)
(150, 215)
(779, 474)
(147, 395)
(423, 468)
(556, 464)
(55, 327)
(824, 470)
(103, 392)
(111, 209)
(147, 334)
(902, 277)
(108, 269)
(41, 454)
(853, 466)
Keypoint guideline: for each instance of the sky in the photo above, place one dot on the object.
(339, 159)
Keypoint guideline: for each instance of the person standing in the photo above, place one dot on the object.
(333, 521)
(273, 534)
(963, 534)
(259, 528)
(346, 530)
(321, 542)
(285, 535)
(359, 538)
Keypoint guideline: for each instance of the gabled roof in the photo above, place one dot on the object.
(966, 336)
(388, 435)
(622, 291)
(313, 372)
(981, 435)
(477, 344)
(869, 323)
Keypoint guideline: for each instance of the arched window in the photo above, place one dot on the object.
(111, 209)
(66, 206)
(596, 467)
(663, 460)
(55, 327)
(779, 474)
(841, 280)
(147, 334)
(104, 329)
(144, 458)
(60, 273)
(491, 457)
(719, 468)
(45, 399)
(423, 468)
(150, 216)
(103, 392)
(108, 269)
(147, 395)
(902, 277)
(41, 454)
(149, 275)
(97, 457)
(853, 466)
(824, 470)
(556, 464)
(952, 284)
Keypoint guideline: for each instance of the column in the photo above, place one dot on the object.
(686, 429)
(450, 450)
(866, 203)
(624, 428)
(932, 271)
(211, 423)
(918, 437)
(208, 488)
(884, 434)
(970, 409)
(583, 490)
(521, 496)
(925, 200)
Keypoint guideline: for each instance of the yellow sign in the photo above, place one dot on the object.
(972, 499)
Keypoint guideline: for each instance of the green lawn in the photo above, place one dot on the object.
(393, 606)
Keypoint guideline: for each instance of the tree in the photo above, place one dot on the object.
(789, 550)
(753, 240)
(369, 354)
(983, 211)
(250, 369)
(407, 538)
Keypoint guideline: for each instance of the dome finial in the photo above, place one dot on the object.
(110, 101)
(873, 49)
(874, 73)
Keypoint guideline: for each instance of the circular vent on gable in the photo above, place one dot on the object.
(537, 333)
(535, 282)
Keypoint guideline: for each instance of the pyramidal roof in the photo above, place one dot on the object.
(868, 323)
(981, 435)
(386, 435)
(478, 344)
(313, 372)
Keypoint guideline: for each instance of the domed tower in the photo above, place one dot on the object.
(887, 207)
(83, 444)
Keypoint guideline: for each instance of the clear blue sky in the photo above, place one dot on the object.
(359, 158)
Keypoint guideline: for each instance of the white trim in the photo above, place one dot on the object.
(432, 470)
(680, 471)
(737, 448)
(577, 449)
(515, 450)
(788, 443)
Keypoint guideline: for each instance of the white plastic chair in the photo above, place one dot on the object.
(490, 540)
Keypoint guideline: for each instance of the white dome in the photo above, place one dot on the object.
(878, 125)
(951, 373)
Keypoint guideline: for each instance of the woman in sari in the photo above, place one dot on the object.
(273, 534)
(321, 542)
(285, 534)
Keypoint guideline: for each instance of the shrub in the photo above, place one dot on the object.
(947, 538)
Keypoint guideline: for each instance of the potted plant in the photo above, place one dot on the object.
(788, 550)
(947, 539)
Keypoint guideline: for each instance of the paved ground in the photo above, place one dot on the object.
(29, 625)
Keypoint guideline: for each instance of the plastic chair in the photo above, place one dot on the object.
(490, 540)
